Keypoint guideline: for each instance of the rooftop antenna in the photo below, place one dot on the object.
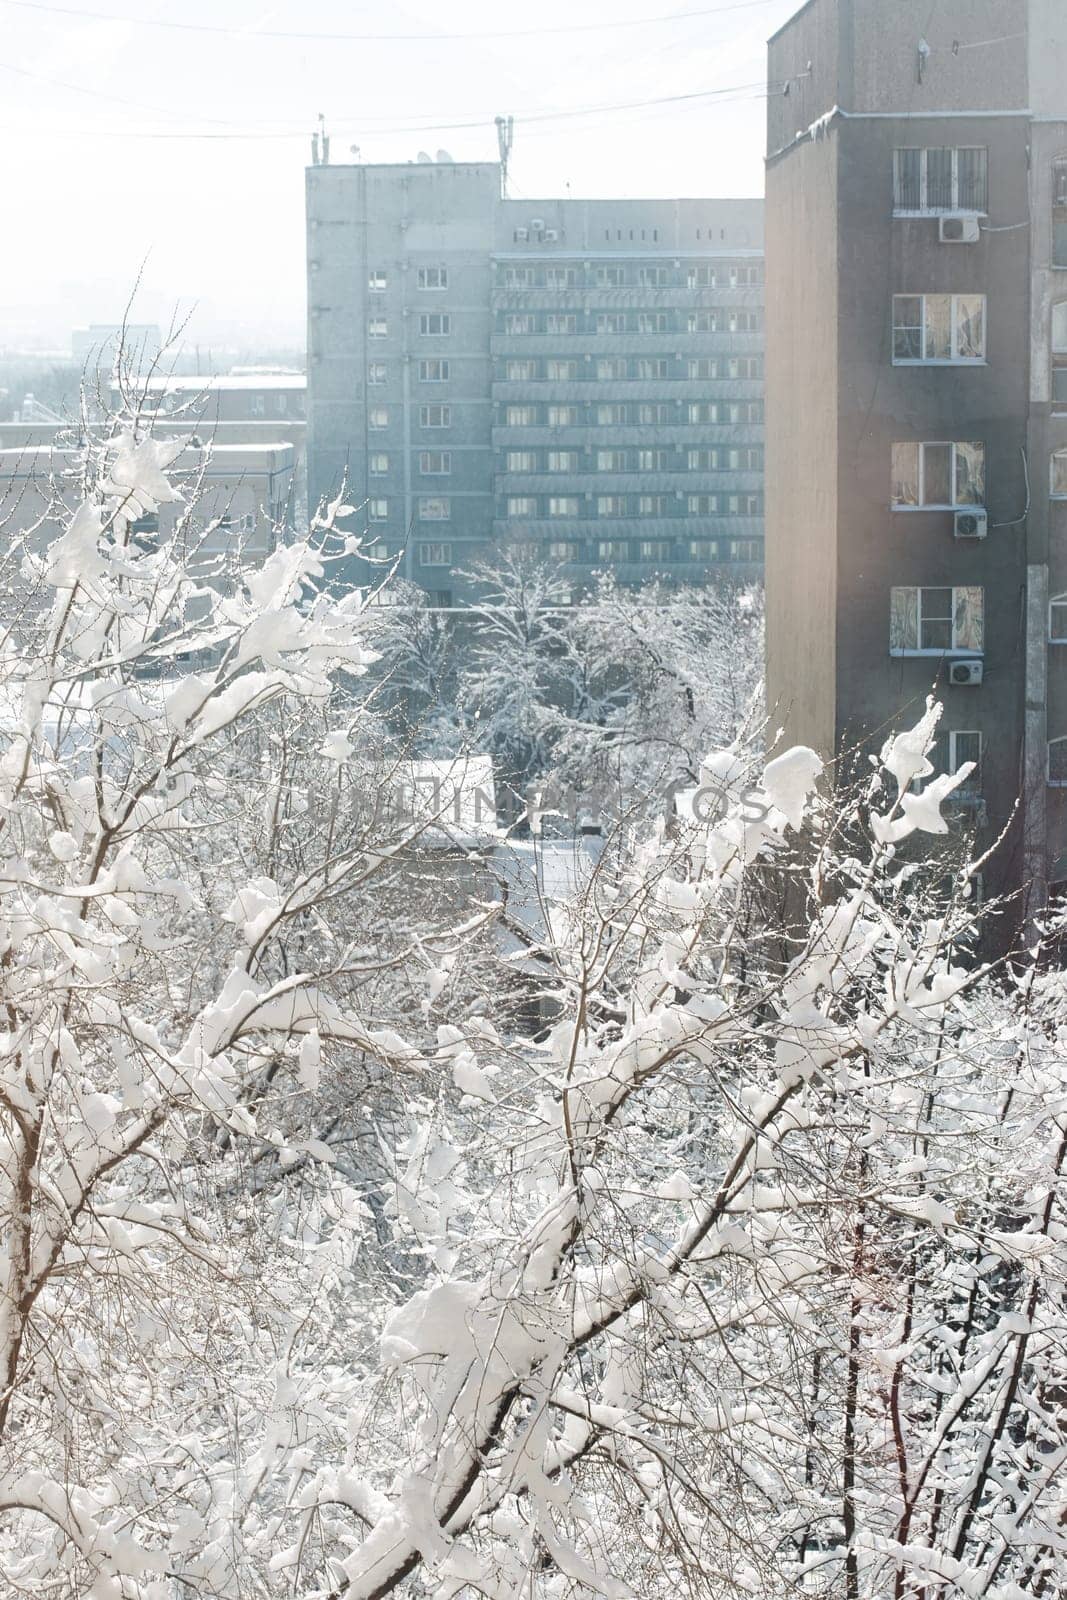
(325, 138)
(505, 138)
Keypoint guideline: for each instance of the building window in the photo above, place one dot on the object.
(435, 463)
(377, 281)
(1057, 763)
(652, 505)
(938, 476)
(651, 368)
(377, 372)
(377, 328)
(432, 508)
(965, 745)
(749, 550)
(653, 277)
(377, 464)
(561, 277)
(938, 327)
(561, 371)
(703, 549)
(378, 417)
(375, 552)
(612, 416)
(563, 416)
(520, 323)
(941, 179)
(378, 510)
(655, 550)
(1058, 485)
(1059, 356)
(653, 461)
(522, 461)
(435, 555)
(702, 368)
(522, 505)
(563, 505)
(561, 322)
(519, 277)
(611, 460)
(520, 416)
(1057, 619)
(703, 322)
(702, 278)
(561, 461)
(655, 413)
(611, 505)
(613, 550)
(653, 322)
(610, 369)
(611, 322)
(610, 277)
(258, 405)
(703, 505)
(744, 322)
(433, 371)
(931, 622)
(435, 416)
(435, 324)
(1059, 213)
(563, 550)
(520, 371)
(745, 277)
(432, 278)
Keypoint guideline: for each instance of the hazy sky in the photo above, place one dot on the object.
(100, 173)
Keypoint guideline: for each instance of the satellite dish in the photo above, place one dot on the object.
(443, 155)
(424, 159)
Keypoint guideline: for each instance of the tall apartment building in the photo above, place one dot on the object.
(917, 395)
(581, 376)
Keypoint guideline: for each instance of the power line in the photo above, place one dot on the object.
(369, 38)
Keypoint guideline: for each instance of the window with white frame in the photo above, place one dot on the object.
(704, 322)
(949, 329)
(749, 550)
(377, 280)
(933, 621)
(378, 417)
(702, 278)
(653, 277)
(613, 415)
(377, 463)
(522, 460)
(435, 324)
(1059, 212)
(561, 322)
(557, 371)
(436, 416)
(435, 463)
(611, 322)
(703, 549)
(941, 179)
(563, 416)
(1057, 763)
(745, 277)
(435, 555)
(1058, 476)
(655, 413)
(703, 367)
(613, 550)
(561, 277)
(561, 461)
(652, 505)
(258, 405)
(520, 322)
(744, 322)
(433, 508)
(522, 505)
(524, 371)
(744, 505)
(703, 505)
(432, 278)
(938, 476)
(378, 551)
(652, 368)
(1057, 619)
(377, 328)
(563, 550)
(564, 505)
(610, 369)
(610, 277)
(965, 746)
(520, 416)
(611, 505)
(655, 550)
(653, 322)
(653, 461)
(1059, 356)
(377, 372)
(519, 277)
(611, 460)
(378, 510)
(433, 371)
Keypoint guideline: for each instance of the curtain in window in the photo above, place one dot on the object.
(969, 620)
(938, 341)
(970, 475)
(1059, 475)
(903, 619)
(970, 327)
(905, 489)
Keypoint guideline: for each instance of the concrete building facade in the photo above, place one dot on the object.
(585, 377)
(914, 304)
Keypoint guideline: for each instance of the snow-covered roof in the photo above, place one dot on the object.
(228, 380)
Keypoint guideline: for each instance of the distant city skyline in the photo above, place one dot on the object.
(99, 165)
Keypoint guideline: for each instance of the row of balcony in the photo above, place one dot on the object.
(629, 297)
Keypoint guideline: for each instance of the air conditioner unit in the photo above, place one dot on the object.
(965, 674)
(538, 224)
(958, 230)
(551, 235)
(971, 524)
(521, 235)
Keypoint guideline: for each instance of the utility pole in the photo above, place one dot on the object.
(505, 137)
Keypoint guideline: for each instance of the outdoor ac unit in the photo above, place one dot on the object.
(965, 674)
(551, 235)
(521, 235)
(958, 230)
(971, 524)
(538, 224)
